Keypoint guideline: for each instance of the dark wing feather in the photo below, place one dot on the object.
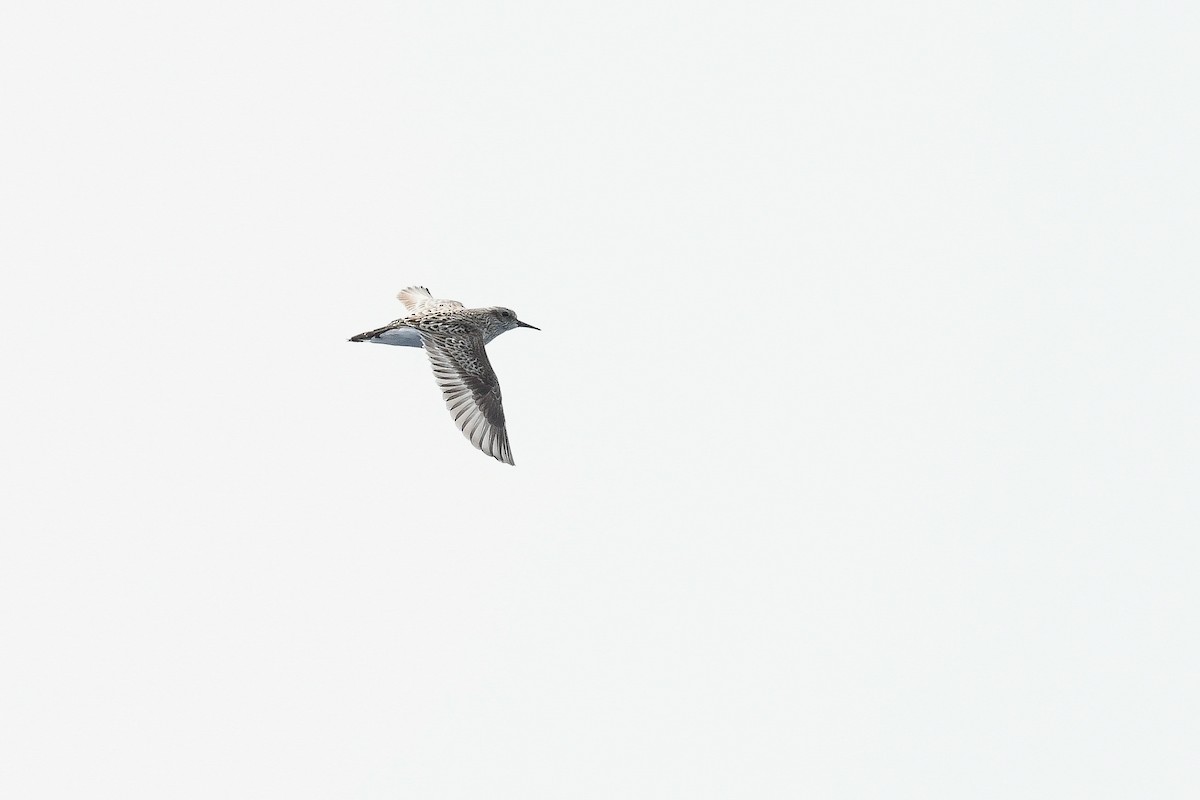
(470, 388)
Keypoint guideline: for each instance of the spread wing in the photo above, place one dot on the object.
(418, 298)
(472, 393)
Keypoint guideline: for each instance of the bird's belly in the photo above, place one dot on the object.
(401, 337)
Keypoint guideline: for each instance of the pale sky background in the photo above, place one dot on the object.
(857, 456)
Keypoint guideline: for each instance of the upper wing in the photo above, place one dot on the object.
(470, 388)
(418, 298)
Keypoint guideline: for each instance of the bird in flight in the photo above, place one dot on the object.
(454, 337)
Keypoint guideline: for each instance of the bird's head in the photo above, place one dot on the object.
(507, 319)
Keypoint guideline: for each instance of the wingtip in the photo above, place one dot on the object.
(410, 295)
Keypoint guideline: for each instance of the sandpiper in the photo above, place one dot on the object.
(454, 337)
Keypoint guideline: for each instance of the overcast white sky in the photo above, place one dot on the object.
(857, 456)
